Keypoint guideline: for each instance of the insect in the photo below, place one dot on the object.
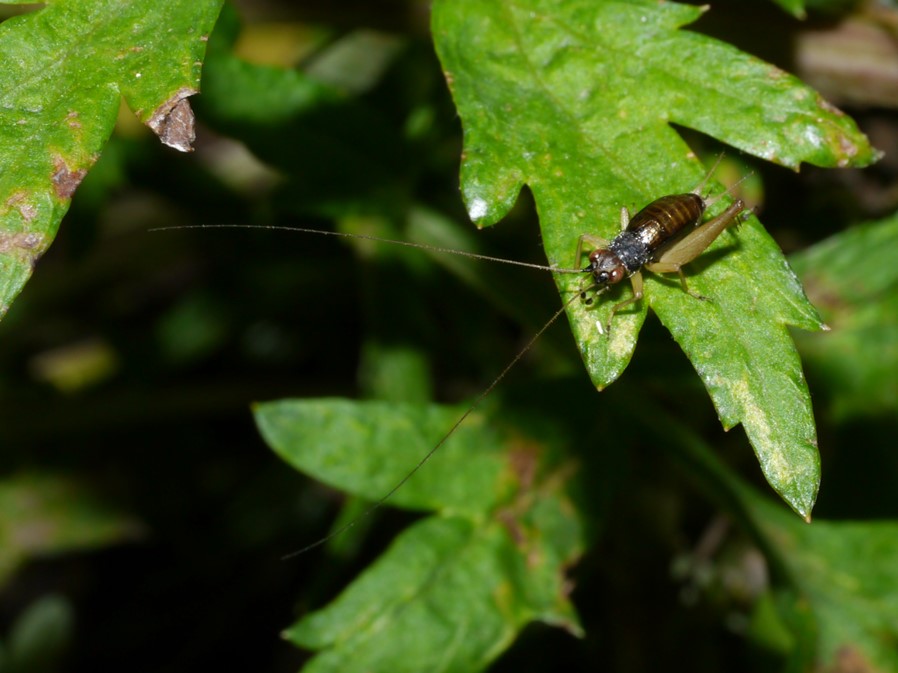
(658, 239)
(663, 237)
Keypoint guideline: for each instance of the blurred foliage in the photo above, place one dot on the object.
(45, 515)
(852, 278)
(61, 93)
(140, 503)
(39, 638)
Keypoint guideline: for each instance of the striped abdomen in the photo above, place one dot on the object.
(663, 219)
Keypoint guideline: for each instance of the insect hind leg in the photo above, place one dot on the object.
(693, 244)
(592, 241)
(706, 197)
(678, 269)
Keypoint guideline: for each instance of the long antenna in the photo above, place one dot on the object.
(342, 529)
(367, 237)
(489, 389)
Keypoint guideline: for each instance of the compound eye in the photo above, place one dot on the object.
(616, 275)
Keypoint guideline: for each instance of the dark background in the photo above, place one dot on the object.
(200, 323)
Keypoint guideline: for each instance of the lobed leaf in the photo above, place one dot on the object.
(846, 576)
(852, 277)
(453, 590)
(367, 448)
(575, 100)
(835, 583)
(66, 68)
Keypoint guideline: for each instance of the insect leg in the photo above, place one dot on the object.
(688, 248)
(589, 239)
(624, 218)
(678, 269)
(598, 241)
(594, 242)
(636, 282)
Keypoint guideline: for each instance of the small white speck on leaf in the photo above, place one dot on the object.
(477, 209)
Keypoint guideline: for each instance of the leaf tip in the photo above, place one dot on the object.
(478, 209)
(803, 504)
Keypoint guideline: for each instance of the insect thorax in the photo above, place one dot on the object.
(631, 249)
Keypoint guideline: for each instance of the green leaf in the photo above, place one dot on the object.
(43, 514)
(853, 279)
(367, 448)
(795, 7)
(454, 589)
(575, 100)
(846, 576)
(447, 596)
(835, 583)
(66, 68)
(39, 638)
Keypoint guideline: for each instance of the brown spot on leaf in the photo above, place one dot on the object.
(509, 520)
(174, 123)
(849, 150)
(19, 201)
(28, 212)
(136, 49)
(26, 245)
(849, 660)
(72, 120)
(65, 180)
(826, 106)
(524, 459)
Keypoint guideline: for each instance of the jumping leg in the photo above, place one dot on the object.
(695, 243)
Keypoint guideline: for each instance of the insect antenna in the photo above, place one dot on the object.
(476, 403)
(727, 192)
(378, 239)
(700, 187)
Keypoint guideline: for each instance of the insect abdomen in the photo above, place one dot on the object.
(665, 218)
